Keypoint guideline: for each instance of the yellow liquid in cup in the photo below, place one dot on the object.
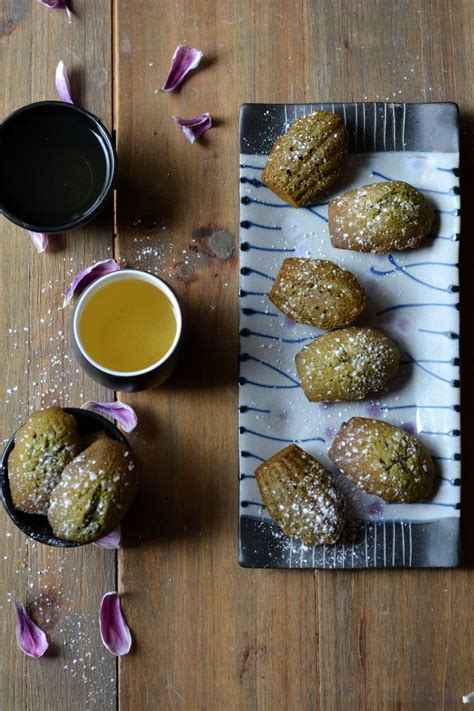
(127, 325)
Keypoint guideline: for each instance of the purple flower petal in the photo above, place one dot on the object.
(88, 275)
(124, 414)
(63, 87)
(194, 128)
(114, 630)
(185, 59)
(58, 5)
(30, 638)
(40, 240)
(111, 540)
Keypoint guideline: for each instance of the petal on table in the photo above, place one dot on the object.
(194, 128)
(58, 5)
(63, 86)
(30, 638)
(114, 630)
(40, 240)
(185, 59)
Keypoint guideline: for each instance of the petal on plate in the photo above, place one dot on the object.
(88, 275)
(185, 59)
(30, 638)
(40, 240)
(63, 87)
(111, 540)
(58, 5)
(114, 631)
(194, 128)
(120, 411)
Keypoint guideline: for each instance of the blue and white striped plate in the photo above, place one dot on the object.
(412, 296)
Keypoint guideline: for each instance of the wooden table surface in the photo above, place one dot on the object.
(208, 634)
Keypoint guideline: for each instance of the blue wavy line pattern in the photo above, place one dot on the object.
(452, 482)
(246, 166)
(415, 306)
(247, 246)
(313, 211)
(245, 454)
(452, 191)
(246, 200)
(405, 270)
(243, 293)
(245, 357)
(246, 332)
(248, 224)
(454, 382)
(253, 182)
(273, 409)
(246, 381)
(262, 435)
(255, 312)
(447, 334)
(248, 271)
(249, 408)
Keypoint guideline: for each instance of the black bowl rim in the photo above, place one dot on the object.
(108, 186)
(16, 515)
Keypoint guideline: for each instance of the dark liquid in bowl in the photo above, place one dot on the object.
(53, 165)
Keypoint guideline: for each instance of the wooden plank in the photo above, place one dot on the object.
(401, 640)
(209, 635)
(62, 588)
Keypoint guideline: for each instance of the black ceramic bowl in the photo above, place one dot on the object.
(57, 166)
(34, 525)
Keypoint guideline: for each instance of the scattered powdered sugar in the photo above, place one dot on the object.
(49, 582)
(57, 586)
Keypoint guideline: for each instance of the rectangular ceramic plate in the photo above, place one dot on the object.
(412, 296)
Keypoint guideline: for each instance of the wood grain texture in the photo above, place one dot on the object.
(209, 635)
(62, 588)
(231, 638)
(406, 642)
(224, 634)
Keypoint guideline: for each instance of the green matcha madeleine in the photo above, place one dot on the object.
(45, 444)
(347, 364)
(383, 460)
(95, 492)
(299, 495)
(380, 217)
(308, 159)
(317, 292)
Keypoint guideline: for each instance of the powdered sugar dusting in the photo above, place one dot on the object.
(317, 292)
(347, 364)
(383, 460)
(270, 341)
(301, 498)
